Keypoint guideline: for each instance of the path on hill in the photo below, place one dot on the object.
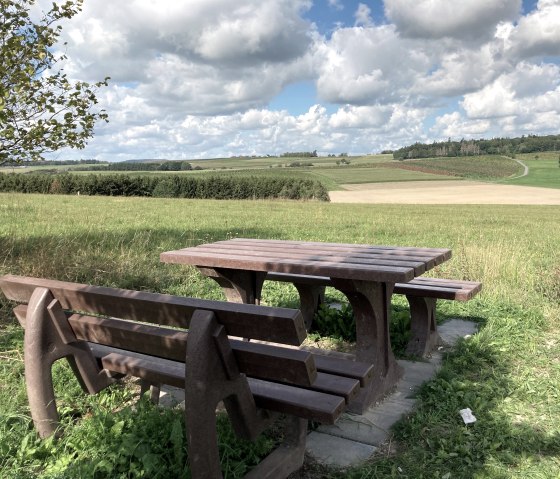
(525, 168)
(446, 192)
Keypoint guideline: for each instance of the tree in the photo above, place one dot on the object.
(41, 110)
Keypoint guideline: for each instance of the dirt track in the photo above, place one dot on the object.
(446, 192)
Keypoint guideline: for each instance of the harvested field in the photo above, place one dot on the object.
(446, 192)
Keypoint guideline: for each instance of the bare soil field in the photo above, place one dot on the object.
(445, 192)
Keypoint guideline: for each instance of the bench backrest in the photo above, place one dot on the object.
(280, 325)
(117, 318)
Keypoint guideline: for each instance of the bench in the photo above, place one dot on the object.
(421, 293)
(107, 332)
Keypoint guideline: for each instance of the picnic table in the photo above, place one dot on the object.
(365, 274)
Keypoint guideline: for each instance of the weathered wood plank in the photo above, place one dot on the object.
(306, 403)
(294, 266)
(279, 325)
(317, 256)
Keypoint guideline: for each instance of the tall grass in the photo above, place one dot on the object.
(509, 373)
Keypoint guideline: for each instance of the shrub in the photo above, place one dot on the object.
(168, 186)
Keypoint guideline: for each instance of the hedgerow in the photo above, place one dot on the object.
(167, 186)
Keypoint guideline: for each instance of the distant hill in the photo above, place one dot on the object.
(495, 146)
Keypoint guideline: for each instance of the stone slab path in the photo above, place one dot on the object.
(355, 438)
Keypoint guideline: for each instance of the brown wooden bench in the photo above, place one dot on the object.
(104, 332)
(421, 293)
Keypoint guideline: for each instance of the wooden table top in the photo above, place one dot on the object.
(335, 260)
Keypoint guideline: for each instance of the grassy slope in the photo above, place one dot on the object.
(543, 172)
(508, 374)
(473, 167)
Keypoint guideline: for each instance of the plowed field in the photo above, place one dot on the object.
(445, 192)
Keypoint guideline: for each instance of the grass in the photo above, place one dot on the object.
(508, 374)
(544, 170)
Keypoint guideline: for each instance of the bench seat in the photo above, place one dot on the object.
(421, 293)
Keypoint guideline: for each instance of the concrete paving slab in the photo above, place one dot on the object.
(373, 427)
(336, 451)
(454, 329)
(170, 396)
(354, 438)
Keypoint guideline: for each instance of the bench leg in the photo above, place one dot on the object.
(212, 376)
(286, 458)
(310, 298)
(425, 337)
(155, 390)
(48, 338)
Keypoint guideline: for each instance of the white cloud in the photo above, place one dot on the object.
(336, 4)
(537, 34)
(193, 78)
(466, 19)
(363, 15)
(358, 66)
(514, 94)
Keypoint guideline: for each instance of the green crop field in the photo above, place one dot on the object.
(349, 175)
(508, 374)
(485, 167)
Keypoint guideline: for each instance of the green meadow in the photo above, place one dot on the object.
(544, 170)
(508, 374)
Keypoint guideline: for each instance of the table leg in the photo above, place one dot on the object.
(425, 337)
(371, 304)
(238, 286)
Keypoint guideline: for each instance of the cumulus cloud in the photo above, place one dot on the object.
(199, 56)
(363, 15)
(465, 20)
(194, 78)
(514, 93)
(537, 34)
(357, 66)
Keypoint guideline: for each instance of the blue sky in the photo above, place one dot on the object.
(215, 78)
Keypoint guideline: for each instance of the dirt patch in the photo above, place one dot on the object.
(446, 192)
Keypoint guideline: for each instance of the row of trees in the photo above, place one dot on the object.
(143, 166)
(495, 146)
(169, 186)
(300, 154)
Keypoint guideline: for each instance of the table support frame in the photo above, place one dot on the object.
(371, 304)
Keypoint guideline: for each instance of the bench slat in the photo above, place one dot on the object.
(428, 287)
(439, 291)
(300, 402)
(255, 359)
(363, 372)
(279, 325)
(258, 360)
(305, 403)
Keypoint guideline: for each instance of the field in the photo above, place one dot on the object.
(544, 171)
(508, 374)
(464, 192)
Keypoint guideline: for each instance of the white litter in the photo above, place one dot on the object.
(467, 415)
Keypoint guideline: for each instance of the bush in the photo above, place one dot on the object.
(167, 186)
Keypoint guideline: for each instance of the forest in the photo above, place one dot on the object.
(495, 146)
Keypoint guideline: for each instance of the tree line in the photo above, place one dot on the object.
(494, 146)
(166, 186)
(142, 166)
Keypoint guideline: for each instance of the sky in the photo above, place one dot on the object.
(218, 78)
